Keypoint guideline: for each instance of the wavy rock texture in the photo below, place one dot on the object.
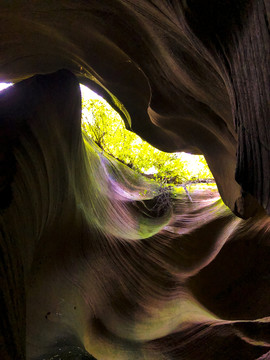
(96, 260)
(92, 265)
(186, 75)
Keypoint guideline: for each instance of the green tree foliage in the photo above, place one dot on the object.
(107, 129)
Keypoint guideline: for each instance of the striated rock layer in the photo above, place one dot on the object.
(94, 259)
(187, 75)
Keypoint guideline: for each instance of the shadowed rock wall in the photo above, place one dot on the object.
(91, 263)
(96, 260)
(186, 75)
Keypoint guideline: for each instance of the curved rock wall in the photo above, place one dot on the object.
(94, 259)
(186, 76)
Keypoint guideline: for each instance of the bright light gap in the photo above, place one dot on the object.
(193, 165)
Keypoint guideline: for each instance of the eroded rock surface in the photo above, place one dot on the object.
(188, 76)
(91, 267)
(87, 265)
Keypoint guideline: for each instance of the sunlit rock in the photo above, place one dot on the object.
(96, 261)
